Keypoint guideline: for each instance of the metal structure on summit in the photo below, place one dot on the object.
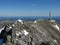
(49, 15)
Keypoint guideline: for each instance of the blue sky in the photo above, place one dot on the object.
(29, 7)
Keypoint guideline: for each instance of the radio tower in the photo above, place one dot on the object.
(49, 15)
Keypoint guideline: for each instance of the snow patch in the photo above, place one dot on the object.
(1, 29)
(35, 21)
(13, 25)
(52, 20)
(18, 33)
(22, 32)
(55, 41)
(56, 26)
(25, 32)
(10, 27)
(20, 21)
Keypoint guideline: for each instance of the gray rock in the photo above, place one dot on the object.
(40, 33)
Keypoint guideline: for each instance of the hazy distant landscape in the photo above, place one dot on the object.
(30, 18)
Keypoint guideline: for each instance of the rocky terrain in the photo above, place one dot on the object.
(39, 32)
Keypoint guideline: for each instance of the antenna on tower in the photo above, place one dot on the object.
(49, 15)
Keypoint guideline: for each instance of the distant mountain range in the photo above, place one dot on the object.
(30, 18)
